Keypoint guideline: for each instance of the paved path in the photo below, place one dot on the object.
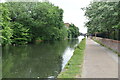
(99, 62)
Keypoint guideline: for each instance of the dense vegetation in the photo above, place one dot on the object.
(104, 19)
(25, 22)
(4, 22)
(73, 31)
(73, 68)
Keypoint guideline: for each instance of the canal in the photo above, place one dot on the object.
(39, 60)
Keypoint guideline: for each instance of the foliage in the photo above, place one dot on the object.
(103, 17)
(43, 19)
(20, 34)
(73, 31)
(24, 22)
(6, 30)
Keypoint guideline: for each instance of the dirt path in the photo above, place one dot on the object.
(99, 62)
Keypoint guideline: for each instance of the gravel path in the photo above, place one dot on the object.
(99, 62)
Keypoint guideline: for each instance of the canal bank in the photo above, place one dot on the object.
(73, 68)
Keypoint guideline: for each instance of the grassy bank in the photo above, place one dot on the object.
(74, 66)
(106, 46)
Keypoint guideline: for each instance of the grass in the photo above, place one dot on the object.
(106, 47)
(73, 68)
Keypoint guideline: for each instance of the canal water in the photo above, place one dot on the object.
(40, 60)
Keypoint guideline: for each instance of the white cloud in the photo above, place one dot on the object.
(2, 1)
(73, 12)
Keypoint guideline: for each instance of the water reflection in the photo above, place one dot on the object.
(69, 50)
(40, 60)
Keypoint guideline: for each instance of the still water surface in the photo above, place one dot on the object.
(43, 60)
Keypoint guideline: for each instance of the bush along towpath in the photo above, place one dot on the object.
(73, 68)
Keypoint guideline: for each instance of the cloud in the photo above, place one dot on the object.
(73, 12)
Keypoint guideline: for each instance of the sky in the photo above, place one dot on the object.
(73, 12)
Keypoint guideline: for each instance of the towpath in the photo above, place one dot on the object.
(99, 62)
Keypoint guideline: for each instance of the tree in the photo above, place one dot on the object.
(44, 20)
(103, 18)
(73, 31)
(20, 34)
(5, 24)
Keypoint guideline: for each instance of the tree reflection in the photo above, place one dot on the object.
(34, 60)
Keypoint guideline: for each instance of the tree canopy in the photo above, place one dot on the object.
(26, 22)
(103, 17)
(73, 31)
(5, 27)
